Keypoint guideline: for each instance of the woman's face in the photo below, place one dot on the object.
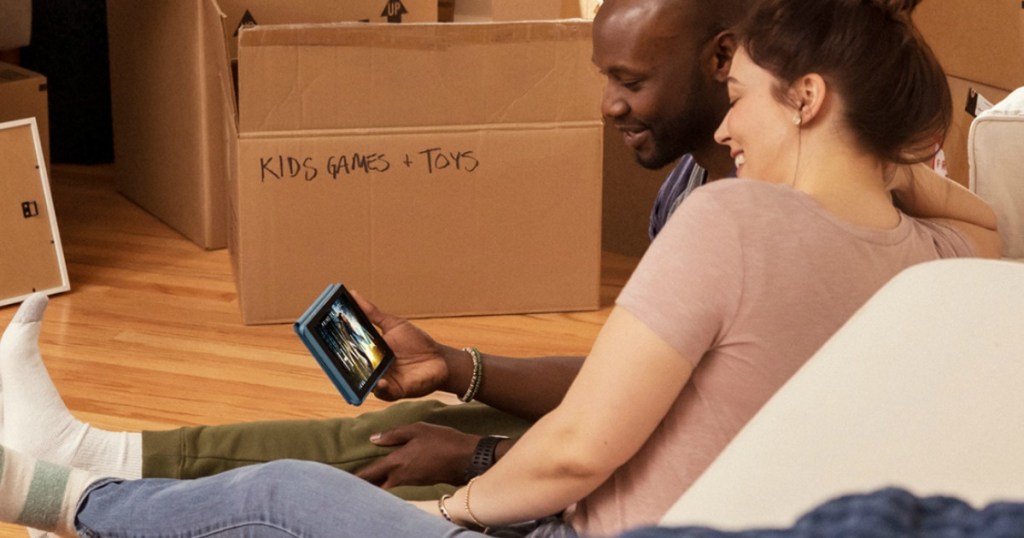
(761, 132)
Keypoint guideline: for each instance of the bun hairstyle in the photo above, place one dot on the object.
(898, 8)
(895, 95)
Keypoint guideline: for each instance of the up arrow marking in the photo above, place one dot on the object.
(394, 11)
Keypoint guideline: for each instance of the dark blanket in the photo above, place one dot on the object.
(884, 513)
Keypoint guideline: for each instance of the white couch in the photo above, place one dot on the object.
(922, 389)
(995, 146)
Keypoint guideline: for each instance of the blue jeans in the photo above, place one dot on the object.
(281, 499)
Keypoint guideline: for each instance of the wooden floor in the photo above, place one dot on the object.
(150, 335)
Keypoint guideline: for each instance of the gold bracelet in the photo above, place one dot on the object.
(441, 508)
(472, 517)
(478, 375)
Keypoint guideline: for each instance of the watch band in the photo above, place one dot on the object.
(483, 456)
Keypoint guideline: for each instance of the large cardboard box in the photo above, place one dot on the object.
(441, 169)
(167, 96)
(15, 24)
(33, 259)
(520, 10)
(166, 86)
(980, 44)
(23, 94)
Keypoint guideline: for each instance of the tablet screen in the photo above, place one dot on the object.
(349, 341)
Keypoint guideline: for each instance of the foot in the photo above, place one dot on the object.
(36, 421)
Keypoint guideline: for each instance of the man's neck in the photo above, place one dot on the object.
(715, 159)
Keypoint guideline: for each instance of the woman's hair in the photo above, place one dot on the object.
(895, 94)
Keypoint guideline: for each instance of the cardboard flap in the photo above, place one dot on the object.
(357, 76)
(980, 40)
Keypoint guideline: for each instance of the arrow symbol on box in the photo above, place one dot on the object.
(394, 10)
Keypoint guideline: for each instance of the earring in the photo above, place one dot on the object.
(797, 120)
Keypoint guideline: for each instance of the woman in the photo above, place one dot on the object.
(826, 97)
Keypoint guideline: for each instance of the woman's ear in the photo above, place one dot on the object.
(723, 48)
(810, 92)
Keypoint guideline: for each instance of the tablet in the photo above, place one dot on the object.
(344, 342)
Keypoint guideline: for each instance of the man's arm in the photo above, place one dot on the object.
(920, 192)
(426, 453)
(527, 388)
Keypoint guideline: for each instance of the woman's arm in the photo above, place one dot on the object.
(626, 386)
(920, 192)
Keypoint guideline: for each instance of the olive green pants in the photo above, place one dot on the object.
(344, 443)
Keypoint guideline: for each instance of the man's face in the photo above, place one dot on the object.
(656, 93)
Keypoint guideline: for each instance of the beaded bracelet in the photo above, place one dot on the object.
(478, 375)
(441, 507)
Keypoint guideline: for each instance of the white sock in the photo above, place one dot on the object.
(40, 494)
(35, 420)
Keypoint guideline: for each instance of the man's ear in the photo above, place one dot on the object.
(810, 93)
(723, 48)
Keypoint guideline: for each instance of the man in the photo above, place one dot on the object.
(666, 62)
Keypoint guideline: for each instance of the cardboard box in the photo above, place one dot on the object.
(977, 40)
(239, 13)
(979, 44)
(165, 85)
(440, 169)
(15, 24)
(169, 112)
(167, 95)
(23, 94)
(33, 258)
(522, 10)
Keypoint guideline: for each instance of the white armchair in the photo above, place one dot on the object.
(922, 389)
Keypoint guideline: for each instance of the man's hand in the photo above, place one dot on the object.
(425, 454)
(524, 388)
(419, 366)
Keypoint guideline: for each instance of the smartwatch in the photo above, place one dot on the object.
(483, 456)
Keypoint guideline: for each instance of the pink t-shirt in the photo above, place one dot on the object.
(747, 295)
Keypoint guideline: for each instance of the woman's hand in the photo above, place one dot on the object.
(429, 507)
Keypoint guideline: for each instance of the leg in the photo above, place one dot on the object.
(35, 419)
(343, 443)
(284, 498)
(39, 494)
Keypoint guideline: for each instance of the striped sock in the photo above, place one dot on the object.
(39, 494)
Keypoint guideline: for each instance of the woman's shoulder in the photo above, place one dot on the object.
(732, 205)
(740, 187)
(744, 194)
